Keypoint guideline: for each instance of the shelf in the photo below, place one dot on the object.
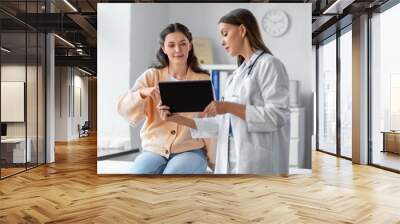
(219, 67)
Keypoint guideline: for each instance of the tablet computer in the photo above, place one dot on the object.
(186, 96)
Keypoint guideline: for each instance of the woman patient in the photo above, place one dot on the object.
(168, 147)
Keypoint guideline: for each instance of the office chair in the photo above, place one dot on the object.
(84, 130)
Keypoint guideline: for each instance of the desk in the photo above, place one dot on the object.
(13, 150)
(391, 141)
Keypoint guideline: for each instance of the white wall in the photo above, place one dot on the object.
(67, 80)
(144, 47)
(81, 83)
(113, 76)
(61, 103)
(147, 20)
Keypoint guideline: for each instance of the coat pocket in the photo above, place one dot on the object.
(246, 90)
(250, 93)
(256, 160)
(262, 140)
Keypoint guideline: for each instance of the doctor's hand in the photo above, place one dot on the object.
(153, 92)
(215, 108)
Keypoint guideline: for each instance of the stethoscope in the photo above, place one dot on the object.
(252, 64)
(250, 69)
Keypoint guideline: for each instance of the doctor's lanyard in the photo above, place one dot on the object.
(230, 127)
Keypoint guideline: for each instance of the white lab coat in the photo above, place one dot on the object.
(262, 140)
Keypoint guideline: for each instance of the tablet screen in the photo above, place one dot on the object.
(186, 96)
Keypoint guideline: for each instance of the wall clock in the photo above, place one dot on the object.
(275, 22)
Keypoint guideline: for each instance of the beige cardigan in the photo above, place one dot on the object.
(158, 136)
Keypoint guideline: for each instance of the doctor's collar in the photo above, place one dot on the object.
(254, 56)
(251, 60)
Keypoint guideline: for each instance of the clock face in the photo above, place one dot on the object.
(275, 22)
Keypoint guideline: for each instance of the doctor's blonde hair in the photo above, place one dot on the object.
(248, 20)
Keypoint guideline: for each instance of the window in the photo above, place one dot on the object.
(385, 89)
(346, 75)
(22, 77)
(327, 97)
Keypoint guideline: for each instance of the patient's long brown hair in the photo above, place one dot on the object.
(162, 58)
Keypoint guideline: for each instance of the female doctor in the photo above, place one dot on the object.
(252, 121)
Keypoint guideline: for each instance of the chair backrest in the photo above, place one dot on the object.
(86, 125)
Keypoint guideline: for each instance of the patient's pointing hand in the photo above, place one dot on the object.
(153, 92)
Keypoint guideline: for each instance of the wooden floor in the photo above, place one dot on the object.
(70, 191)
(10, 171)
(386, 159)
